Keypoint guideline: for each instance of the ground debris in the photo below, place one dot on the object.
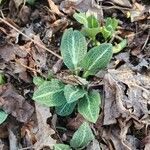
(14, 104)
(44, 134)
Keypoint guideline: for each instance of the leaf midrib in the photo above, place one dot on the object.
(73, 51)
(70, 96)
(98, 58)
(47, 94)
(84, 133)
(85, 20)
(88, 101)
(63, 108)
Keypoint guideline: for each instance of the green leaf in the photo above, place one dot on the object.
(50, 93)
(92, 22)
(81, 18)
(82, 136)
(61, 147)
(117, 48)
(3, 116)
(111, 24)
(73, 93)
(73, 48)
(65, 109)
(110, 27)
(91, 32)
(106, 33)
(1, 1)
(38, 81)
(31, 2)
(97, 58)
(89, 106)
(2, 80)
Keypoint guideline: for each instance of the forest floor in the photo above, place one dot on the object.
(30, 37)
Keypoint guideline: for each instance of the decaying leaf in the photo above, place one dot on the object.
(125, 93)
(54, 8)
(24, 14)
(18, 2)
(14, 104)
(115, 138)
(125, 3)
(89, 6)
(7, 52)
(3, 146)
(39, 54)
(137, 13)
(94, 145)
(44, 134)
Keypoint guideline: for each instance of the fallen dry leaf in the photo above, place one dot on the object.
(116, 137)
(7, 52)
(24, 14)
(59, 24)
(14, 104)
(146, 142)
(38, 54)
(74, 123)
(54, 8)
(3, 145)
(18, 2)
(13, 140)
(113, 106)
(137, 13)
(126, 93)
(94, 145)
(90, 6)
(44, 134)
(124, 3)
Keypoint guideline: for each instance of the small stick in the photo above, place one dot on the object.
(146, 39)
(40, 45)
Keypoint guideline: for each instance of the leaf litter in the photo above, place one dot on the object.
(124, 120)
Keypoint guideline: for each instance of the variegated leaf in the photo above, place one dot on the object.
(89, 106)
(65, 109)
(97, 58)
(73, 93)
(82, 136)
(50, 93)
(73, 48)
(61, 147)
(3, 116)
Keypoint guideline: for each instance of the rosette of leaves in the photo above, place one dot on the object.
(91, 28)
(66, 97)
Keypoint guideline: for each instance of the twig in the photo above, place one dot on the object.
(146, 39)
(40, 45)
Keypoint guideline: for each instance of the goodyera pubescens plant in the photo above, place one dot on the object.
(65, 97)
